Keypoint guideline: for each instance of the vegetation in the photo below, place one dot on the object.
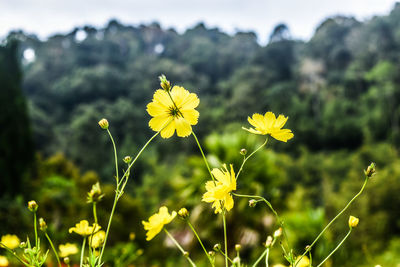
(340, 90)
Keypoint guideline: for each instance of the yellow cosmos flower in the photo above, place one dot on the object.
(157, 221)
(82, 228)
(303, 262)
(67, 249)
(97, 239)
(3, 261)
(353, 221)
(10, 241)
(168, 117)
(218, 192)
(269, 124)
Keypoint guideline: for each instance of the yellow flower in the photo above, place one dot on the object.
(302, 261)
(157, 221)
(82, 228)
(219, 191)
(168, 117)
(97, 239)
(67, 249)
(10, 241)
(353, 221)
(278, 265)
(269, 124)
(3, 261)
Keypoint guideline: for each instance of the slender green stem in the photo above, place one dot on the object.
(115, 155)
(180, 248)
(266, 258)
(204, 157)
(249, 156)
(14, 254)
(223, 254)
(83, 251)
(53, 248)
(261, 257)
(333, 251)
(334, 219)
(225, 238)
(35, 227)
(119, 193)
(201, 243)
(95, 213)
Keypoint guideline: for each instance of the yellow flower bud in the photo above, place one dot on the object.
(353, 221)
(370, 171)
(243, 151)
(268, 243)
(238, 247)
(42, 225)
(252, 203)
(127, 159)
(278, 232)
(183, 213)
(104, 124)
(164, 83)
(217, 247)
(95, 194)
(32, 205)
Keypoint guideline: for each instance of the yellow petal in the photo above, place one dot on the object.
(282, 135)
(162, 98)
(228, 202)
(156, 109)
(157, 123)
(183, 128)
(168, 131)
(191, 101)
(251, 130)
(256, 120)
(280, 121)
(269, 120)
(190, 115)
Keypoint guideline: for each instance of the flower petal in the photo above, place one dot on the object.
(183, 128)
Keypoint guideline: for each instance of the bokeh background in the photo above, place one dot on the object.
(333, 68)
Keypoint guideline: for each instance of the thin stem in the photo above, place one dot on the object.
(54, 250)
(82, 251)
(266, 258)
(249, 156)
(201, 243)
(204, 157)
(334, 219)
(261, 257)
(14, 254)
(94, 213)
(223, 254)
(333, 251)
(35, 227)
(180, 248)
(115, 155)
(225, 238)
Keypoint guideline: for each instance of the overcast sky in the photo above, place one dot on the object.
(46, 17)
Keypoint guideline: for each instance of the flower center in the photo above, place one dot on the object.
(174, 112)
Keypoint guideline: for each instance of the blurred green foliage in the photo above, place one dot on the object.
(341, 91)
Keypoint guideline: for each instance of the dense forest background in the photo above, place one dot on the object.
(340, 89)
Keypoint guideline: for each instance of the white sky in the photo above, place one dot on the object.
(47, 17)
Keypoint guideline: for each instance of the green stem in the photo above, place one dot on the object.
(53, 248)
(266, 258)
(82, 251)
(333, 251)
(95, 213)
(223, 254)
(14, 254)
(115, 155)
(35, 227)
(225, 238)
(204, 157)
(201, 243)
(246, 158)
(261, 257)
(118, 195)
(180, 248)
(334, 219)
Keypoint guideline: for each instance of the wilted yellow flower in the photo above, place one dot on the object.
(157, 221)
(97, 239)
(302, 261)
(67, 249)
(219, 191)
(95, 193)
(82, 228)
(3, 261)
(353, 221)
(10, 241)
(103, 123)
(168, 117)
(32, 205)
(183, 212)
(269, 124)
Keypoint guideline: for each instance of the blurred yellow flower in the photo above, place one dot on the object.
(157, 221)
(82, 228)
(97, 239)
(218, 192)
(278, 265)
(168, 117)
(269, 124)
(67, 249)
(3, 261)
(10, 241)
(353, 221)
(302, 261)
